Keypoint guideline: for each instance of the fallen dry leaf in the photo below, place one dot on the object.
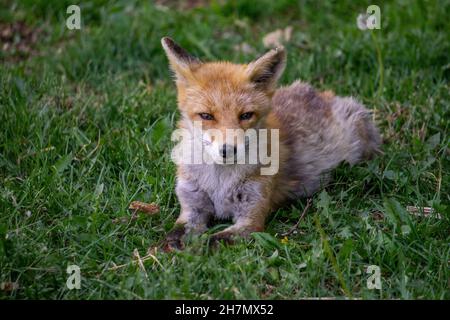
(9, 286)
(377, 215)
(149, 208)
(269, 290)
(138, 206)
(278, 37)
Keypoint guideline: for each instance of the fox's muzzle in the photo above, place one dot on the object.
(228, 150)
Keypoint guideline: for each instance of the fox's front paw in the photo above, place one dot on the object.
(221, 237)
(171, 245)
(174, 239)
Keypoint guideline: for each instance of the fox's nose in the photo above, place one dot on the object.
(228, 150)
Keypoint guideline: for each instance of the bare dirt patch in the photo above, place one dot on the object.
(18, 40)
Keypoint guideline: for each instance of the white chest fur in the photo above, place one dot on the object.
(222, 183)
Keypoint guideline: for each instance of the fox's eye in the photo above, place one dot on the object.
(206, 116)
(246, 116)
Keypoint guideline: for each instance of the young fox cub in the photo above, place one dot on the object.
(317, 131)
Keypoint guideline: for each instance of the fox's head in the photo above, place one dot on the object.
(223, 95)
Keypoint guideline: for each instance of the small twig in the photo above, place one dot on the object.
(308, 205)
(139, 260)
(154, 258)
(32, 154)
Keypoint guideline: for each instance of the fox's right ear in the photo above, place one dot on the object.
(181, 62)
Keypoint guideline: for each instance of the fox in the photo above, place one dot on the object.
(316, 132)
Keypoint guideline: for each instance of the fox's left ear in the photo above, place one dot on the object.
(181, 62)
(265, 71)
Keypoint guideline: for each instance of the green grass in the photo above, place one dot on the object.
(85, 125)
